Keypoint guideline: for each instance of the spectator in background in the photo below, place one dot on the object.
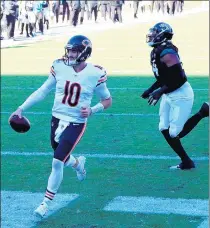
(1, 19)
(82, 12)
(116, 11)
(56, 9)
(66, 8)
(46, 13)
(11, 11)
(179, 6)
(135, 7)
(76, 7)
(31, 17)
(23, 17)
(151, 6)
(105, 8)
(161, 6)
(38, 9)
(171, 7)
(142, 6)
(93, 5)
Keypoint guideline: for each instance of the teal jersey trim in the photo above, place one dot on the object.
(167, 51)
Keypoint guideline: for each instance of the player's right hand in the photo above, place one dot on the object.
(85, 112)
(146, 94)
(18, 113)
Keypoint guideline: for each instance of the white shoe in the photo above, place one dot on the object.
(81, 172)
(42, 209)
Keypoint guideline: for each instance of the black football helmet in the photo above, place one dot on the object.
(80, 44)
(159, 33)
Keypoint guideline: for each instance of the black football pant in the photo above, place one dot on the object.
(68, 139)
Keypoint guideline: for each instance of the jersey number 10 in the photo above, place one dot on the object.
(71, 94)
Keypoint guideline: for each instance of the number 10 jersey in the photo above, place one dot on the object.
(75, 90)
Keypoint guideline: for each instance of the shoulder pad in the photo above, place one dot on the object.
(168, 51)
(58, 60)
(100, 70)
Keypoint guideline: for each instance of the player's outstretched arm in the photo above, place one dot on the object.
(36, 96)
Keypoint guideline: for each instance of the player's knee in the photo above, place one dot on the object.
(174, 131)
(162, 126)
(57, 164)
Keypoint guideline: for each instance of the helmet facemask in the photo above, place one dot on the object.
(155, 37)
(84, 52)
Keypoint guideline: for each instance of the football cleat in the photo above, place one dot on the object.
(41, 210)
(80, 170)
(184, 165)
(204, 110)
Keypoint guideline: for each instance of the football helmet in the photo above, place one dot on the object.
(159, 33)
(82, 45)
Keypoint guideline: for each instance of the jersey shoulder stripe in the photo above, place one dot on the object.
(102, 80)
(52, 71)
(168, 51)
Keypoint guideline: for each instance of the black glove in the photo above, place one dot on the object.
(155, 96)
(146, 94)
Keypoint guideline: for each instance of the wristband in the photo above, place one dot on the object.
(97, 108)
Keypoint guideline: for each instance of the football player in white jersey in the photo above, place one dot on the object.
(75, 82)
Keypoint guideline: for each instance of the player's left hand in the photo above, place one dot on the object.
(85, 112)
(154, 97)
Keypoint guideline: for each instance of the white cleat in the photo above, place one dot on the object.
(41, 210)
(80, 170)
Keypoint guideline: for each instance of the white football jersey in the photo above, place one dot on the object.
(75, 90)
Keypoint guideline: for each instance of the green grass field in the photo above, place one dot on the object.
(107, 178)
(126, 154)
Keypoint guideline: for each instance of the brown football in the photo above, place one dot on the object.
(20, 125)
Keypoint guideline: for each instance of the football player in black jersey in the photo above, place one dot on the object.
(177, 95)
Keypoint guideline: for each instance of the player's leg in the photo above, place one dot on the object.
(195, 119)
(180, 112)
(67, 142)
(164, 124)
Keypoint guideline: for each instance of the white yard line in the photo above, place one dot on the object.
(97, 114)
(151, 205)
(108, 156)
(17, 207)
(111, 88)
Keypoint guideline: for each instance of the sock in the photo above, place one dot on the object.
(176, 145)
(54, 180)
(190, 124)
(72, 161)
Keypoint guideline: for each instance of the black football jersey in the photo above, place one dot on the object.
(161, 70)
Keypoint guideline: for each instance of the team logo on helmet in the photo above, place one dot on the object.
(86, 43)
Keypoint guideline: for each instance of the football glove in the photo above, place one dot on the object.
(155, 96)
(146, 94)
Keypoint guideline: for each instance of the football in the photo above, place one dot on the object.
(20, 125)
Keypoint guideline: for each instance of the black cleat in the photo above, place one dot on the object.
(184, 165)
(204, 110)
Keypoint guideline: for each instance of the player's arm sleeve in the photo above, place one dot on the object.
(102, 91)
(39, 94)
(168, 51)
